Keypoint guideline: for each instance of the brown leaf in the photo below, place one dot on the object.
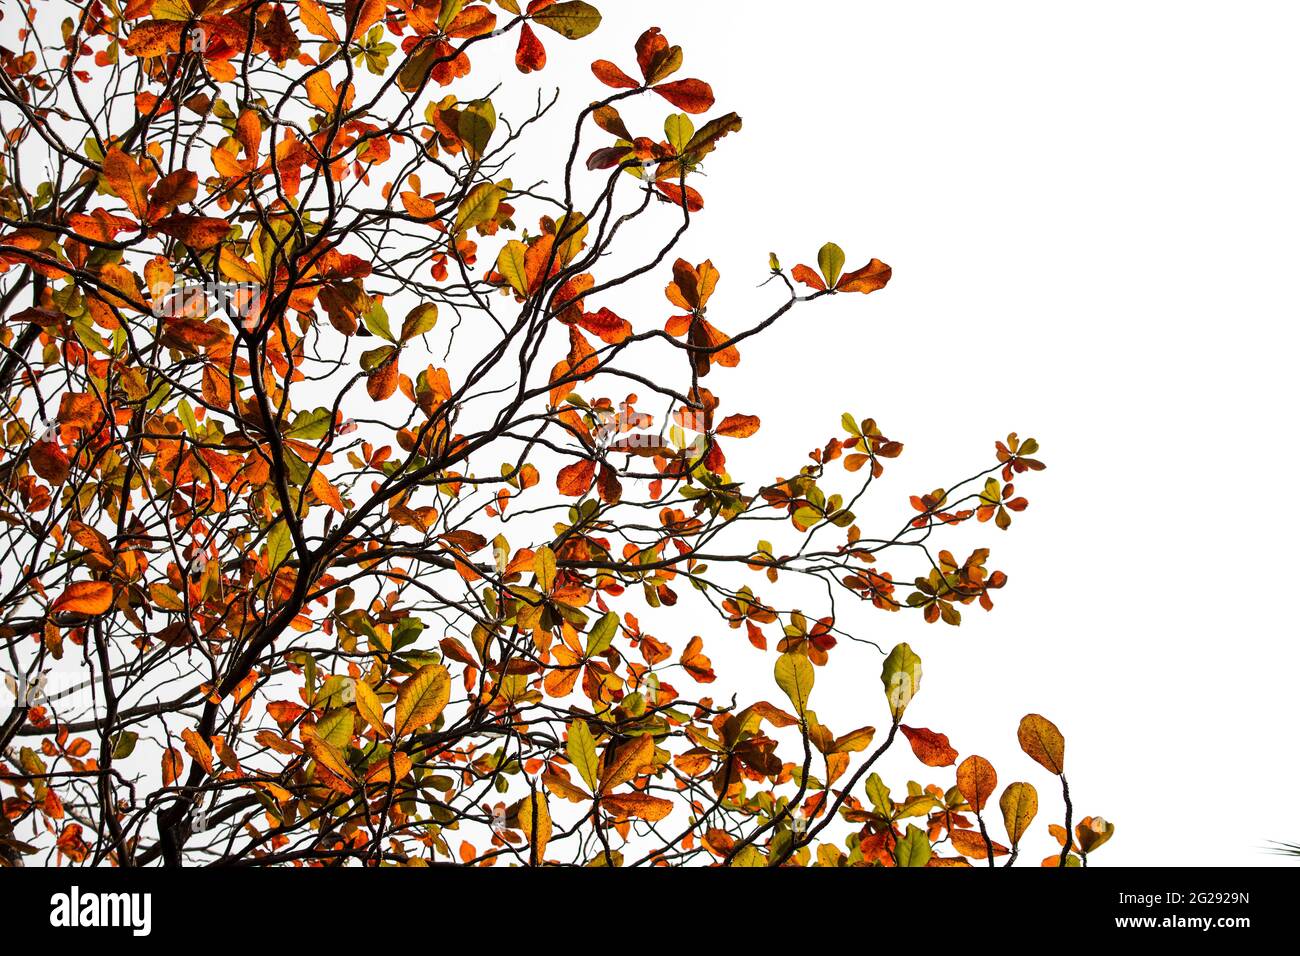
(1041, 739)
(931, 747)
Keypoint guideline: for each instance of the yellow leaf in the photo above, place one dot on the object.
(510, 263)
(369, 707)
(539, 821)
(479, 206)
(581, 751)
(421, 699)
(794, 675)
(544, 567)
(1019, 805)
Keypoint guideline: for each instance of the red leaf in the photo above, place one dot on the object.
(530, 55)
(931, 748)
(50, 462)
(693, 96)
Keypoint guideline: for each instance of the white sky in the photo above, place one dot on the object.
(1091, 213)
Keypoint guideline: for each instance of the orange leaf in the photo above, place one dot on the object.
(129, 181)
(172, 766)
(197, 232)
(197, 748)
(575, 480)
(976, 780)
(874, 275)
(84, 597)
(640, 805)
(611, 75)
(738, 426)
(970, 843)
(693, 96)
(154, 38)
(50, 462)
(808, 277)
(931, 748)
(631, 759)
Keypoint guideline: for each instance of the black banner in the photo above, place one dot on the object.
(160, 906)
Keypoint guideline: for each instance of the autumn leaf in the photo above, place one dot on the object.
(129, 180)
(535, 821)
(870, 278)
(530, 54)
(173, 764)
(902, 679)
(976, 781)
(573, 19)
(197, 232)
(693, 96)
(794, 675)
(369, 707)
(1019, 805)
(930, 747)
(1041, 739)
(84, 597)
(629, 761)
(575, 480)
(738, 426)
(611, 75)
(421, 699)
(639, 805)
(581, 751)
(969, 843)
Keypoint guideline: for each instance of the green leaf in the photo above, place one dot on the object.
(878, 794)
(901, 676)
(602, 634)
(376, 320)
(479, 206)
(419, 320)
(124, 744)
(831, 261)
(572, 19)
(309, 426)
(336, 727)
(794, 675)
(278, 544)
(913, 849)
(477, 122)
(581, 751)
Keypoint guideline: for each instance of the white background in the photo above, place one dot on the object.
(1091, 211)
